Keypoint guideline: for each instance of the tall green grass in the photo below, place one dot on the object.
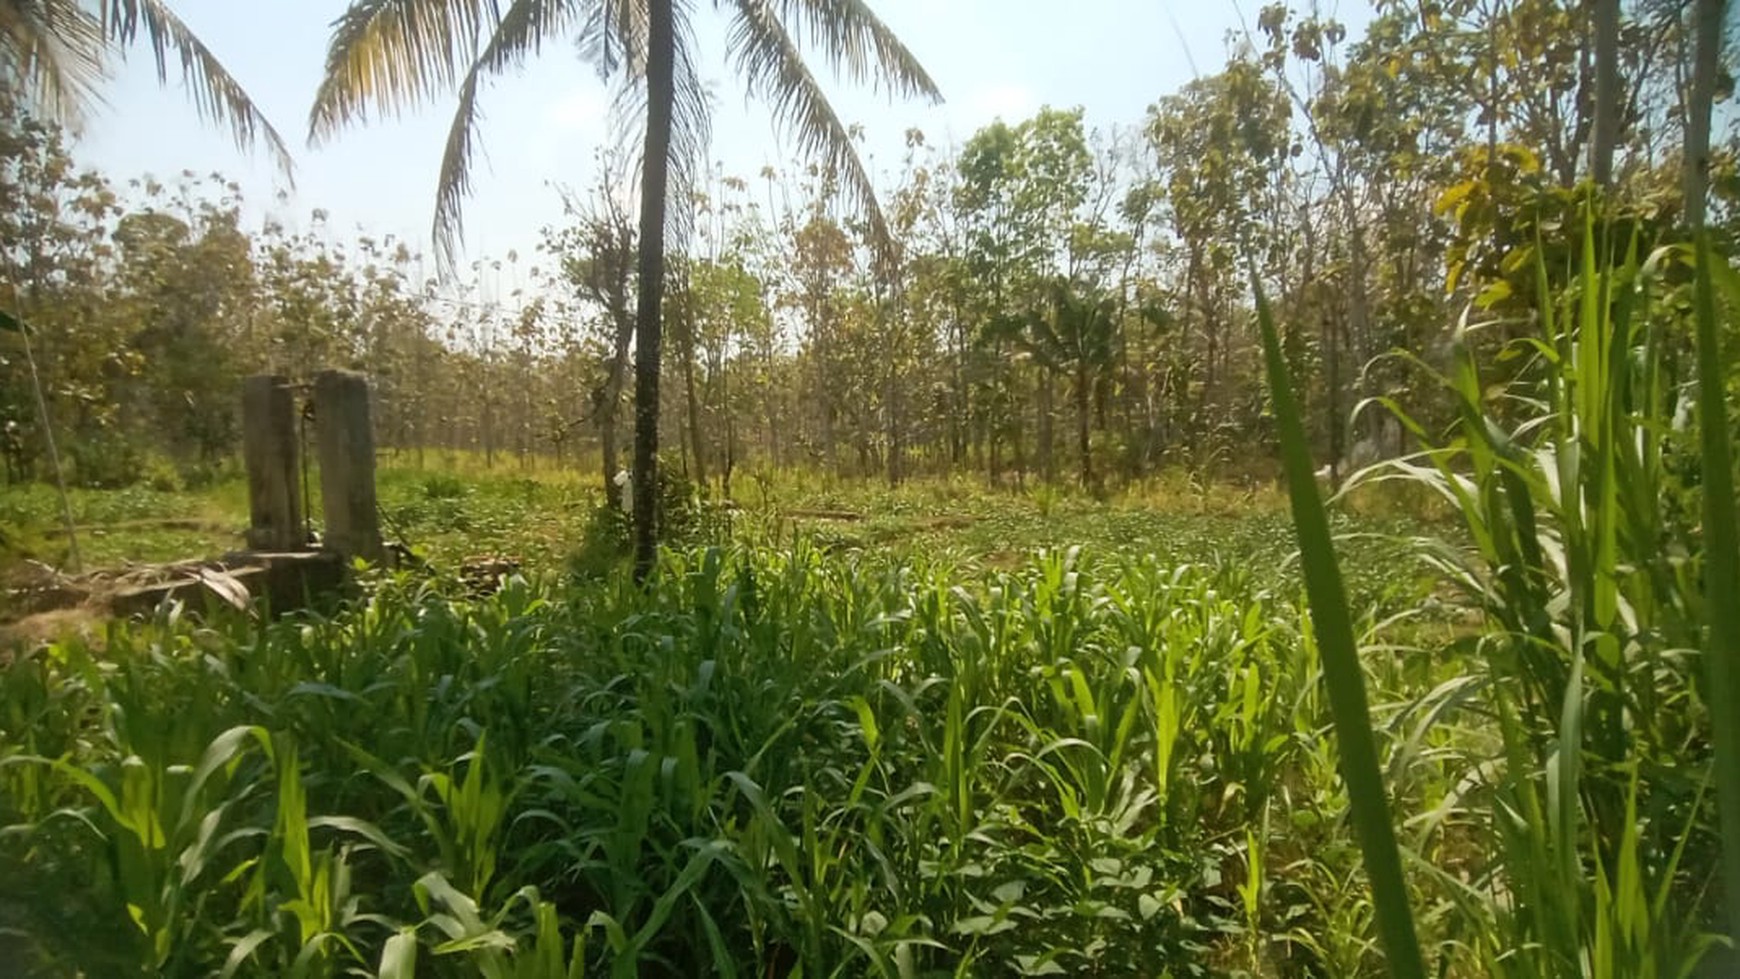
(786, 763)
(1571, 480)
(1721, 567)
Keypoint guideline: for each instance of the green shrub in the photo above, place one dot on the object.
(444, 486)
(104, 461)
(605, 543)
(161, 475)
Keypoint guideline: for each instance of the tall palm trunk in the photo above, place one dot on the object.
(660, 100)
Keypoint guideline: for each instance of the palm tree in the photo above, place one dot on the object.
(55, 52)
(387, 55)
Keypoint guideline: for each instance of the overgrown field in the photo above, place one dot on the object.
(862, 732)
(883, 731)
(852, 731)
(844, 764)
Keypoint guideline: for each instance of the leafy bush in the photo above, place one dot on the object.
(443, 486)
(679, 502)
(605, 543)
(104, 461)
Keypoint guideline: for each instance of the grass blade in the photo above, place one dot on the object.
(1342, 675)
(1721, 578)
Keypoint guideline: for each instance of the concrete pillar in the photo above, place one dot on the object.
(272, 454)
(345, 438)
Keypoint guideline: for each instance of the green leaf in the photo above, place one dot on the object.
(1721, 575)
(1493, 294)
(243, 950)
(1342, 674)
(399, 956)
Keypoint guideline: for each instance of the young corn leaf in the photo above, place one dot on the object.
(399, 956)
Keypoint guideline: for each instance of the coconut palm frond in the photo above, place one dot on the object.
(51, 51)
(773, 68)
(521, 32)
(691, 126)
(612, 37)
(854, 39)
(390, 55)
(691, 132)
(215, 92)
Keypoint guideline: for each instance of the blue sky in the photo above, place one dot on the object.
(990, 57)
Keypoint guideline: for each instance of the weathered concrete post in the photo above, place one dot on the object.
(272, 455)
(345, 436)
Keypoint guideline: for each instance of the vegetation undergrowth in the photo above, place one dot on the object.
(1605, 657)
(771, 760)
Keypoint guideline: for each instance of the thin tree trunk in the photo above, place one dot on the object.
(892, 408)
(72, 537)
(730, 431)
(1083, 388)
(962, 400)
(693, 399)
(1360, 316)
(1704, 69)
(770, 405)
(1047, 424)
(684, 312)
(655, 174)
(607, 450)
(896, 435)
(488, 435)
(830, 452)
(607, 409)
(1606, 135)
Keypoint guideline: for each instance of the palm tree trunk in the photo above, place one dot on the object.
(655, 173)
